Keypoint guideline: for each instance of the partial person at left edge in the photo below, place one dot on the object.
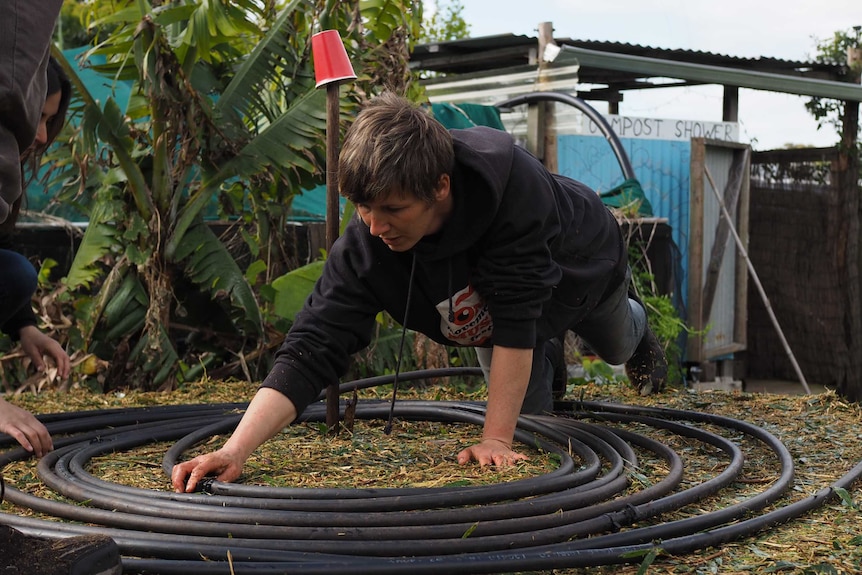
(18, 281)
(26, 28)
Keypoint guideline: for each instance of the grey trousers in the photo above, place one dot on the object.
(612, 330)
(26, 27)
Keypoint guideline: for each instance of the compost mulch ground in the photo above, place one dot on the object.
(821, 430)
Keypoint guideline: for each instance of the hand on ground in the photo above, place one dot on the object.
(25, 429)
(491, 452)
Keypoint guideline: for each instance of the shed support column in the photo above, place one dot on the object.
(730, 104)
(542, 133)
(850, 232)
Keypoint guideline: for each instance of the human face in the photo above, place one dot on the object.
(49, 110)
(401, 220)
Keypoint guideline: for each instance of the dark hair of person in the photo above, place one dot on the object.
(57, 81)
(393, 146)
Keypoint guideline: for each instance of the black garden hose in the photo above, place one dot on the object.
(584, 513)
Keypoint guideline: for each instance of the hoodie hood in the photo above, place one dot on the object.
(483, 162)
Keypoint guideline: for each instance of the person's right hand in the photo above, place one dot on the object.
(223, 464)
(23, 426)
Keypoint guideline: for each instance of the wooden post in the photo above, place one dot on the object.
(730, 104)
(333, 217)
(332, 131)
(332, 65)
(696, 230)
(548, 130)
(849, 234)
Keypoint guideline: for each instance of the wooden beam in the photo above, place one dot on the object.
(548, 130)
(696, 315)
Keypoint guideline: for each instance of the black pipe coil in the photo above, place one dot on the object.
(581, 514)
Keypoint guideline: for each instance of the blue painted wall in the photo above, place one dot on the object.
(661, 166)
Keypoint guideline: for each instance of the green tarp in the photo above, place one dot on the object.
(467, 115)
(628, 194)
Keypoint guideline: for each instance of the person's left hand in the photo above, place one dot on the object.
(36, 344)
(491, 452)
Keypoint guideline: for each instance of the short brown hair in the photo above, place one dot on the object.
(393, 146)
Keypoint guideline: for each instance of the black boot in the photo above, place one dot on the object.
(81, 555)
(647, 367)
(555, 352)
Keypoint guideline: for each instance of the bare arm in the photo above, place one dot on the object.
(268, 413)
(510, 374)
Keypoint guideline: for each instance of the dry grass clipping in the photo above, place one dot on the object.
(823, 433)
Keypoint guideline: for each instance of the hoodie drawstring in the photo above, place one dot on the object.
(388, 429)
(449, 290)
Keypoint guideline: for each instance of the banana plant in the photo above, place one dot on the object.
(224, 115)
(193, 131)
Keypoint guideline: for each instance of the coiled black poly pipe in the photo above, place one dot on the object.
(581, 514)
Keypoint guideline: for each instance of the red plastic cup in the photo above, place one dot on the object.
(331, 63)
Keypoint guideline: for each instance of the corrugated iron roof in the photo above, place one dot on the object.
(693, 55)
(509, 50)
(701, 73)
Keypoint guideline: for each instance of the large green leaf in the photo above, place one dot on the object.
(262, 69)
(285, 142)
(284, 145)
(383, 17)
(99, 239)
(209, 265)
(293, 288)
(126, 309)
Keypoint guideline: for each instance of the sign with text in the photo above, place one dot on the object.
(664, 129)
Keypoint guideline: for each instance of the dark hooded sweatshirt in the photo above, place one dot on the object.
(524, 256)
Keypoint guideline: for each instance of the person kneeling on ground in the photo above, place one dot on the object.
(18, 283)
(471, 239)
(25, 35)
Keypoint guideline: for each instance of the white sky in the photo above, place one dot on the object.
(786, 29)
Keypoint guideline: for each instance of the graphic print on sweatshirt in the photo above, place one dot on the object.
(473, 324)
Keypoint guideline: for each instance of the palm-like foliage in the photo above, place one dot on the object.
(223, 112)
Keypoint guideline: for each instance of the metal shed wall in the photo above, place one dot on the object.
(662, 168)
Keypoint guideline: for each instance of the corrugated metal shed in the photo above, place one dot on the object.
(508, 50)
(603, 71)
